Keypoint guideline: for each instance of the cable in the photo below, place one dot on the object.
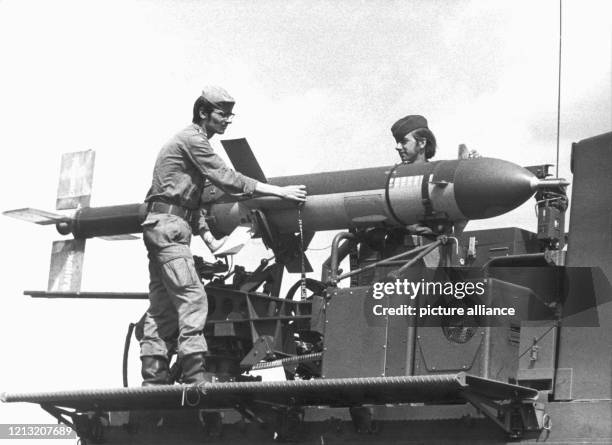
(318, 248)
(302, 255)
(126, 350)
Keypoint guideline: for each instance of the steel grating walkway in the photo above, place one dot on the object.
(340, 392)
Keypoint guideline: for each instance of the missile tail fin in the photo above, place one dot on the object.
(66, 265)
(76, 178)
(36, 216)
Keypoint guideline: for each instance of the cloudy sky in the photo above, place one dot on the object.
(317, 84)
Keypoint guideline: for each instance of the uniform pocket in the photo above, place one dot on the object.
(180, 272)
(172, 229)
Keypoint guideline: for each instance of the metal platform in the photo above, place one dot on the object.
(344, 392)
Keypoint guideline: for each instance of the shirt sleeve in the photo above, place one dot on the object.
(212, 167)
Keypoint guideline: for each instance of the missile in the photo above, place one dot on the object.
(395, 196)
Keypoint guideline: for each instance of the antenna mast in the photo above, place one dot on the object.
(559, 93)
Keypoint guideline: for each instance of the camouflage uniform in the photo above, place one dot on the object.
(177, 299)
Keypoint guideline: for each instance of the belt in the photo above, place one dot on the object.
(173, 209)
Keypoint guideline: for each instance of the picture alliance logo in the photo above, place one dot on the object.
(457, 289)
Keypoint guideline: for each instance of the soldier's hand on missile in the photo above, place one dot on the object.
(294, 192)
(291, 192)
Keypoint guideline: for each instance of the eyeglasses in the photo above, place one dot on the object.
(224, 115)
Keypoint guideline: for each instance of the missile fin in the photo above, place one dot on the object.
(66, 265)
(36, 216)
(288, 252)
(125, 237)
(308, 236)
(286, 246)
(243, 159)
(294, 265)
(76, 177)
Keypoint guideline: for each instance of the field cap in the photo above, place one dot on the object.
(407, 124)
(218, 97)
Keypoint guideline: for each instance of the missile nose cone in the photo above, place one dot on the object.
(487, 187)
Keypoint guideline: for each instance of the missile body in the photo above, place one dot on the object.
(106, 221)
(391, 196)
(381, 196)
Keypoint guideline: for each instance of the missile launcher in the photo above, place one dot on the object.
(353, 376)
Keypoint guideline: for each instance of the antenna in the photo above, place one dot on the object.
(559, 93)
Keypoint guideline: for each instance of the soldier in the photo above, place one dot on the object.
(415, 143)
(176, 294)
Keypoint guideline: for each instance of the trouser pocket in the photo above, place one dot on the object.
(180, 273)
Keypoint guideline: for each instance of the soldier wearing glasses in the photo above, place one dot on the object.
(177, 299)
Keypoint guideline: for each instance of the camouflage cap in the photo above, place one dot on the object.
(407, 124)
(218, 97)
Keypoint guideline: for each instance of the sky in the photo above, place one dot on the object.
(318, 85)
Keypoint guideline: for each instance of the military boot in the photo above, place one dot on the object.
(154, 370)
(193, 369)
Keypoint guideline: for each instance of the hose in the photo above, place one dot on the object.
(126, 350)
